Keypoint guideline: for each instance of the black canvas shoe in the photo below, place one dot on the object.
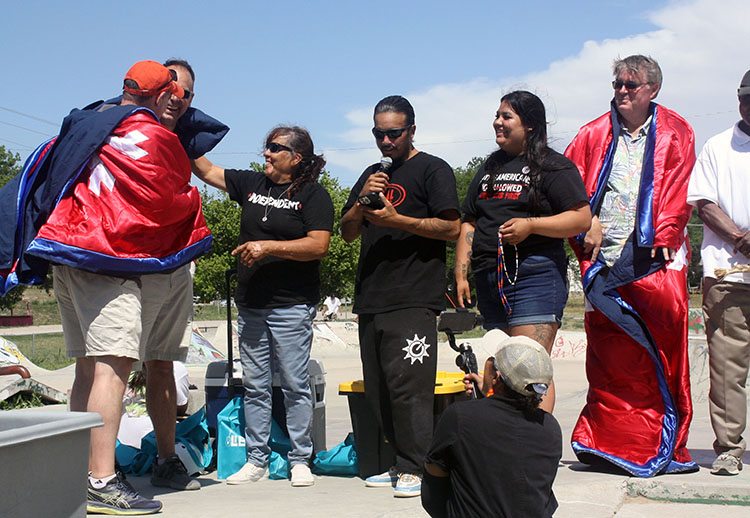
(119, 498)
(172, 474)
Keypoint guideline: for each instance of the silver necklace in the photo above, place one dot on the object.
(268, 206)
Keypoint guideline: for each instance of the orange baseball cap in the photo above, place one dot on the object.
(147, 78)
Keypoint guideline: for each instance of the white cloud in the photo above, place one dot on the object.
(700, 45)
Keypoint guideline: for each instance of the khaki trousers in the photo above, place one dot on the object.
(726, 308)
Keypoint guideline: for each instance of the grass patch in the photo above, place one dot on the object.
(212, 312)
(22, 400)
(45, 350)
(43, 306)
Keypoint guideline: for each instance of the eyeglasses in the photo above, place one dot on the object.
(187, 95)
(393, 133)
(629, 85)
(275, 147)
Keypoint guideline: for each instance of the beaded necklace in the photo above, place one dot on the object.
(502, 272)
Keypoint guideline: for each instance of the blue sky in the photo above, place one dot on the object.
(324, 65)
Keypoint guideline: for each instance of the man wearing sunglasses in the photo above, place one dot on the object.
(400, 286)
(166, 325)
(719, 187)
(635, 162)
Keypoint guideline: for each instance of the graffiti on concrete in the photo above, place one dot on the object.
(47, 393)
(695, 321)
(569, 346)
(9, 353)
(699, 373)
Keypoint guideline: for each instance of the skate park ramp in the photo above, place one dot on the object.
(24, 376)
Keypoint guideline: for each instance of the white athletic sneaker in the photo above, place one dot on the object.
(301, 476)
(408, 485)
(726, 464)
(387, 479)
(248, 473)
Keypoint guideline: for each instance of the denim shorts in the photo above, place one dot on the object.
(537, 297)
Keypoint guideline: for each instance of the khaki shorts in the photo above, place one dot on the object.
(145, 317)
(101, 315)
(167, 314)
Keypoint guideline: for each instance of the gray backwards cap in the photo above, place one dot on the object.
(744, 88)
(524, 365)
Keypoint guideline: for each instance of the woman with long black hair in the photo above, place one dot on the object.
(287, 218)
(522, 202)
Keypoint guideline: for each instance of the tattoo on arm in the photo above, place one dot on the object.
(434, 226)
(544, 333)
(470, 238)
(464, 271)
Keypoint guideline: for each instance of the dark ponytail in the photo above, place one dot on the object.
(309, 168)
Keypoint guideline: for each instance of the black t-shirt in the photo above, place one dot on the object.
(275, 282)
(500, 462)
(398, 269)
(495, 197)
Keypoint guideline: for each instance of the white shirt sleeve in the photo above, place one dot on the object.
(703, 180)
(182, 383)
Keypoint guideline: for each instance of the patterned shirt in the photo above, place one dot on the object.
(617, 213)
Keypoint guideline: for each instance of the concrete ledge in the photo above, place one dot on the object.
(733, 490)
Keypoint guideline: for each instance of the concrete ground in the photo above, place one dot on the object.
(581, 492)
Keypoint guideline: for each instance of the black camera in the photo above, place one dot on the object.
(371, 201)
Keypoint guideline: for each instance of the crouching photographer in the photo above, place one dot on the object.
(497, 456)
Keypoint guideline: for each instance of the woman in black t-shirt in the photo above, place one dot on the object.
(287, 218)
(522, 202)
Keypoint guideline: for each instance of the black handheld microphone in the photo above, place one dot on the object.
(372, 200)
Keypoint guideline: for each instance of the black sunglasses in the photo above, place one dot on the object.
(393, 134)
(188, 93)
(275, 147)
(629, 85)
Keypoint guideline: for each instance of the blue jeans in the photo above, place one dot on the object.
(538, 296)
(283, 335)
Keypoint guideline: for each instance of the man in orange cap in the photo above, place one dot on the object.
(131, 212)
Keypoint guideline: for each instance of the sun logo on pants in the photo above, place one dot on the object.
(416, 349)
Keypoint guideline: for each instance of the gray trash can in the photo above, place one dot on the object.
(44, 458)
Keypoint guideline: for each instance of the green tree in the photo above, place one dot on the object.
(338, 268)
(223, 219)
(10, 166)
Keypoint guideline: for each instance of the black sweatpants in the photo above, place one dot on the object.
(399, 361)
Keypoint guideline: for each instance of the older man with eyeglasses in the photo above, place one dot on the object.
(635, 162)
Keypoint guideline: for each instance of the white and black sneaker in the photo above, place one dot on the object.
(119, 498)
